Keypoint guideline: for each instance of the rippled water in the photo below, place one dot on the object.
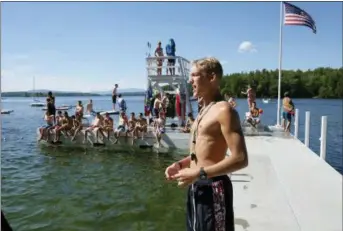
(77, 189)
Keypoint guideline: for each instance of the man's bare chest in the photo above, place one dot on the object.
(206, 127)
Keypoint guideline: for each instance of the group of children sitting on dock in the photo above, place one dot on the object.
(71, 126)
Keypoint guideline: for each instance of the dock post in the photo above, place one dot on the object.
(323, 137)
(296, 123)
(307, 129)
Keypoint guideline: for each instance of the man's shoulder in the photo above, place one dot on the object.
(225, 110)
(224, 106)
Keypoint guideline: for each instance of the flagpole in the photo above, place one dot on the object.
(280, 66)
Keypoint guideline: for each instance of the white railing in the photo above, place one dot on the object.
(323, 131)
(307, 128)
(323, 137)
(152, 66)
(296, 123)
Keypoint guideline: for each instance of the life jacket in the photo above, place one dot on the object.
(122, 105)
(170, 48)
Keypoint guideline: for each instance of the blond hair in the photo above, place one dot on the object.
(209, 66)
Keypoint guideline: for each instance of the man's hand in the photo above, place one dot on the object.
(187, 176)
(172, 170)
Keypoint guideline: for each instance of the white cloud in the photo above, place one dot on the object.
(246, 46)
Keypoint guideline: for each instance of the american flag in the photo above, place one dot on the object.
(298, 17)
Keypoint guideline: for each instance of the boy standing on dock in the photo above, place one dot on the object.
(114, 96)
(288, 112)
(216, 128)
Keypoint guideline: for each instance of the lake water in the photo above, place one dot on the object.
(77, 189)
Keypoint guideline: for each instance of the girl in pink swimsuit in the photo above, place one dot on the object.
(251, 96)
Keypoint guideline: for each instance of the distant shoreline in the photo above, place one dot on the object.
(29, 95)
(65, 94)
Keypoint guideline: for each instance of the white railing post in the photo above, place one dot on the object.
(307, 129)
(323, 137)
(296, 123)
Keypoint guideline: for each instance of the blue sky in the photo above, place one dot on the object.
(89, 46)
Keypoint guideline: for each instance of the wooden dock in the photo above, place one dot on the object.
(286, 187)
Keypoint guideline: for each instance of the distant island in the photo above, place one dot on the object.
(43, 93)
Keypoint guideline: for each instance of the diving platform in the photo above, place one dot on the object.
(173, 139)
(161, 74)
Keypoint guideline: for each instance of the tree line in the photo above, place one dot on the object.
(318, 83)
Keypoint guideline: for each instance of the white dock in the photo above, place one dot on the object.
(286, 187)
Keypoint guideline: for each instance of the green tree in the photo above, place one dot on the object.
(320, 82)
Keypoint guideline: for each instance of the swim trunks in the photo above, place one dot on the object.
(47, 126)
(121, 128)
(160, 130)
(171, 61)
(114, 99)
(210, 205)
(156, 112)
(51, 109)
(287, 116)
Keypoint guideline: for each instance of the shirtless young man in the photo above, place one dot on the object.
(77, 127)
(131, 124)
(159, 127)
(107, 125)
(114, 96)
(157, 104)
(52, 107)
(141, 126)
(49, 119)
(59, 121)
(159, 53)
(66, 125)
(95, 126)
(189, 123)
(79, 111)
(288, 111)
(122, 125)
(216, 129)
(89, 107)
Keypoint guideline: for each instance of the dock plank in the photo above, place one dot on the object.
(286, 187)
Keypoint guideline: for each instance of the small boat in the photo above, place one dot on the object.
(266, 100)
(112, 112)
(6, 112)
(37, 104)
(62, 108)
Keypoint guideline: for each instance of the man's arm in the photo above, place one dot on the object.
(228, 119)
(185, 162)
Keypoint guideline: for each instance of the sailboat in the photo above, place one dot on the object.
(36, 102)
